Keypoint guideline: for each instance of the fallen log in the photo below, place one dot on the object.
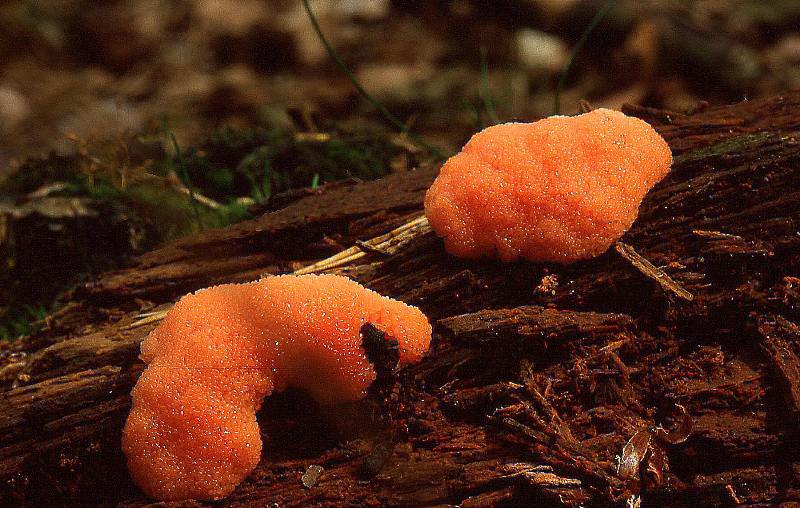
(546, 384)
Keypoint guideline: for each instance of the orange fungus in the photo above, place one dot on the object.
(192, 431)
(560, 189)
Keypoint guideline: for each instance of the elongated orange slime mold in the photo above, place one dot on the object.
(560, 189)
(192, 431)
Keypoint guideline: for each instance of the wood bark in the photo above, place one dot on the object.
(664, 372)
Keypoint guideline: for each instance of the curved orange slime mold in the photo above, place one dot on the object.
(192, 431)
(560, 189)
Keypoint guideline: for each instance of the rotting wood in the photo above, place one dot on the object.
(532, 324)
(581, 367)
(779, 337)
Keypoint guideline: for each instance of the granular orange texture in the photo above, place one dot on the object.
(560, 189)
(192, 431)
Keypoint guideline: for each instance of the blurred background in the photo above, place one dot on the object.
(124, 124)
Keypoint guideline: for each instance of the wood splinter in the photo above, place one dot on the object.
(651, 271)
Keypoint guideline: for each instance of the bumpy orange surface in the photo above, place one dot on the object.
(192, 431)
(560, 189)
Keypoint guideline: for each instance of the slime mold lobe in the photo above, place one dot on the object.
(560, 189)
(192, 431)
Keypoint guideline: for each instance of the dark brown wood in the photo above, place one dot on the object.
(582, 385)
(780, 343)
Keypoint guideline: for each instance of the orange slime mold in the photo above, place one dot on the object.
(192, 431)
(560, 189)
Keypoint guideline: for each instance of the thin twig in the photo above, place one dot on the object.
(387, 244)
(651, 271)
(196, 196)
(372, 250)
(715, 235)
(150, 317)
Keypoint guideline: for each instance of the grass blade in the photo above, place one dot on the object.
(575, 50)
(488, 104)
(436, 151)
(185, 176)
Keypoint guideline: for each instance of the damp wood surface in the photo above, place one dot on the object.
(665, 371)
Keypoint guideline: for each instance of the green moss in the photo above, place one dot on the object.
(259, 162)
(738, 144)
(18, 321)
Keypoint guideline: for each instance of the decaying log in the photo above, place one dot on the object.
(664, 372)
